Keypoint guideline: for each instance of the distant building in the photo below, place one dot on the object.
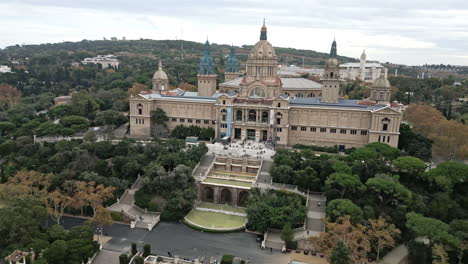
(362, 70)
(294, 71)
(4, 69)
(61, 100)
(106, 61)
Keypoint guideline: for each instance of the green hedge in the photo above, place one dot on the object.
(227, 259)
(333, 149)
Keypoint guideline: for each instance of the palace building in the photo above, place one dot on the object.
(261, 105)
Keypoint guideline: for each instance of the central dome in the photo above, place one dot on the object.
(263, 49)
(382, 82)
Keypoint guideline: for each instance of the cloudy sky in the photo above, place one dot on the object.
(410, 32)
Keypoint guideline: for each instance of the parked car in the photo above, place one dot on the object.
(306, 252)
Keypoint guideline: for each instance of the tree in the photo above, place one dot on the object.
(340, 254)
(282, 173)
(341, 207)
(90, 136)
(343, 184)
(101, 218)
(136, 89)
(96, 195)
(134, 249)
(353, 237)
(56, 253)
(287, 233)
(9, 96)
(433, 229)
(388, 190)
(439, 254)
(123, 259)
(159, 119)
(6, 128)
(382, 235)
(110, 117)
(448, 174)
(56, 203)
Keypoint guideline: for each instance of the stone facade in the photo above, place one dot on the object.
(262, 106)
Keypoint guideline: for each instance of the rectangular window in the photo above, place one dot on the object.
(223, 125)
(332, 130)
(385, 127)
(313, 129)
(224, 118)
(303, 128)
(323, 130)
(189, 120)
(353, 132)
(213, 122)
(182, 120)
(278, 139)
(143, 121)
(136, 120)
(206, 122)
(343, 131)
(279, 129)
(379, 138)
(294, 128)
(388, 139)
(363, 133)
(197, 121)
(174, 119)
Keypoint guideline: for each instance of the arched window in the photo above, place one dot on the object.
(264, 117)
(252, 115)
(223, 111)
(239, 115)
(278, 118)
(381, 97)
(320, 94)
(140, 109)
(385, 123)
(279, 104)
(224, 102)
(331, 74)
(299, 95)
(257, 92)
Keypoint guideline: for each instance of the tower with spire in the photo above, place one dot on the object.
(160, 80)
(331, 78)
(232, 67)
(207, 75)
(362, 66)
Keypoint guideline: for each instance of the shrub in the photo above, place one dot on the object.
(227, 259)
(291, 244)
(139, 260)
(134, 249)
(116, 216)
(146, 250)
(123, 259)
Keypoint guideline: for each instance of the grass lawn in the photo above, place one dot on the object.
(228, 182)
(211, 220)
(221, 207)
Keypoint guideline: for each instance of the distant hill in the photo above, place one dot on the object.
(164, 49)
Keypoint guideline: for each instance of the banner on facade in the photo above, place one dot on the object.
(228, 132)
(272, 116)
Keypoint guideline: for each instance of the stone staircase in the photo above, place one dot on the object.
(126, 204)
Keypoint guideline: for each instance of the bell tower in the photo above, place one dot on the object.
(160, 80)
(232, 67)
(207, 75)
(331, 78)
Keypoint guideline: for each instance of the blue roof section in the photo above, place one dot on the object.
(345, 103)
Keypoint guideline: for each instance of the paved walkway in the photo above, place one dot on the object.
(107, 257)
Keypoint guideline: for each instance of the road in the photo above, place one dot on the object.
(186, 242)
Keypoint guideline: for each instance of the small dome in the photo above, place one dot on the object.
(332, 62)
(160, 74)
(262, 50)
(382, 82)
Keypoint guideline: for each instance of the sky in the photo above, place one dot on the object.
(412, 32)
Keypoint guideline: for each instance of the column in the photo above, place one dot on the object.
(235, 195)
(216, 194)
